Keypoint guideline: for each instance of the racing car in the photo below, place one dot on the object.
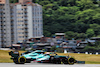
(25, 57)
(56, 59)
(40, 57)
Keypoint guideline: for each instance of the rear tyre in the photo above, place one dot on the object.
(15, 61)
(58, 61)
(52, 59)
(65, 61)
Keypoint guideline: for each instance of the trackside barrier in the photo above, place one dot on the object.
(90, 53)
(87, 53)
(96, 53)
(81, 62)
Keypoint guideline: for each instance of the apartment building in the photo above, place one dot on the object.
(23, 20)
(5, 25)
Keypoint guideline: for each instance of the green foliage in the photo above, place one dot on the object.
(13, 1)
(53, 48)
(96, 28)
(48, 34)
(23, 48)
(81, 36)
(59, 50)
(75, 16)
(92, 47)
(75, 35)
(85, 4)
(90, 32)
(70, 35)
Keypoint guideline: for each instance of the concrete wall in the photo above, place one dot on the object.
(30, 22)
(15, 24)
(8, 23)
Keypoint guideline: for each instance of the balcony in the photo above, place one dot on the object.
(26, 20)
(12, 32)
(26, 35)
(12, 24)
(25, 24)
(5, 36)
(12, 40)
(25, 11)
(1, 28)
(25, 15)
(26, 31)
(4, 32)
(1, 6)
(1, 24)
(4, 39)
(1, 20)
(12, 20)
(12, 36)
(12, 16)
(11, 7)
(12, 11)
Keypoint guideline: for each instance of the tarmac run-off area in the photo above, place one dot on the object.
(46, 65)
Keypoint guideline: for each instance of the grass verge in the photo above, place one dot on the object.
(90, 59)
(4, 56)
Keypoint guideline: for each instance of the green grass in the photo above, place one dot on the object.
(90, 59)
(4, 56)
(92, 62)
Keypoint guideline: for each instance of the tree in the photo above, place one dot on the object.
(85, 16)
(96, 18)
(13, 1)
(98, 3)
(47, 33)
(53, 48)
(69, 34)
(96, 28)
(92, 47)
(80, 27)
(90, 32)
(81, 36)
(85, 4)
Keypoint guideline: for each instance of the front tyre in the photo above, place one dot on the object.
(71, 61)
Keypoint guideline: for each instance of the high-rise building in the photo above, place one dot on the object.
(19, 21)
(5, 25)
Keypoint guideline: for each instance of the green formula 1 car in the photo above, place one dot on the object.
(40, 57)
(54, 58)
(26, 57)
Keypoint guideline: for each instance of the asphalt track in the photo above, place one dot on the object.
(46, 65)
